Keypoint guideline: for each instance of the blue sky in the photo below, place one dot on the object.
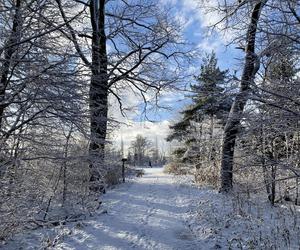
(195, 32)
(203, 39)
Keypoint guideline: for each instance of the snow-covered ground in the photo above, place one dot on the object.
(160, 211)
(147, 213)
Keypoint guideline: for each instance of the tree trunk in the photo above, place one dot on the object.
(263, 159)
(8, 55)
(232, 126)
(98, 95)
(297, 164)
(198, 164)
(273, 185)
(65, 166)
(211, 135)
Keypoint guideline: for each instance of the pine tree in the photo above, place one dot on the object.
(209, 98)
(210, 105)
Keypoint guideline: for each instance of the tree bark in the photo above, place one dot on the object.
(211, 135)
(65, 166)
(8, 56)
(232, 126)
(98, 94)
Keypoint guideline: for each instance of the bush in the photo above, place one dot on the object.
(207, 175)
(177, 168)
(112, 177)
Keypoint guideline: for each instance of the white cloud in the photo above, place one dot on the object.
(129, 126)
(152, 131)
(168, 2)
(206, 13)
(208, 46)
(200, 14)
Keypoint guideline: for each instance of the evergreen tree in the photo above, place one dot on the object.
(209, 99)
(198, 130)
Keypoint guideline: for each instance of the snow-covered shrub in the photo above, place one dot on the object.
(207, 175)
(177, 168)
(240, 221)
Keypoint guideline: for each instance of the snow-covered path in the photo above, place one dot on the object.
(159, 211)
(148, 213)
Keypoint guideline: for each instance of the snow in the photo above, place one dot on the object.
(160, 211)
(146, 213)
(244, 221)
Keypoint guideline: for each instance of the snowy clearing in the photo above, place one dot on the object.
(159, 211)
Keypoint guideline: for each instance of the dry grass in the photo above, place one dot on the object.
(177, 168)
(207, 176)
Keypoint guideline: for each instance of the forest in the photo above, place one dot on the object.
(199, 101)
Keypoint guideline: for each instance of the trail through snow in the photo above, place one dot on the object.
(148, 213)
(160, 211)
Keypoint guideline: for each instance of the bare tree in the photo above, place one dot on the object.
(266, 36)
(139, 148)
(141, 39)
(8, 52)
(41, 98)
(236, 113)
